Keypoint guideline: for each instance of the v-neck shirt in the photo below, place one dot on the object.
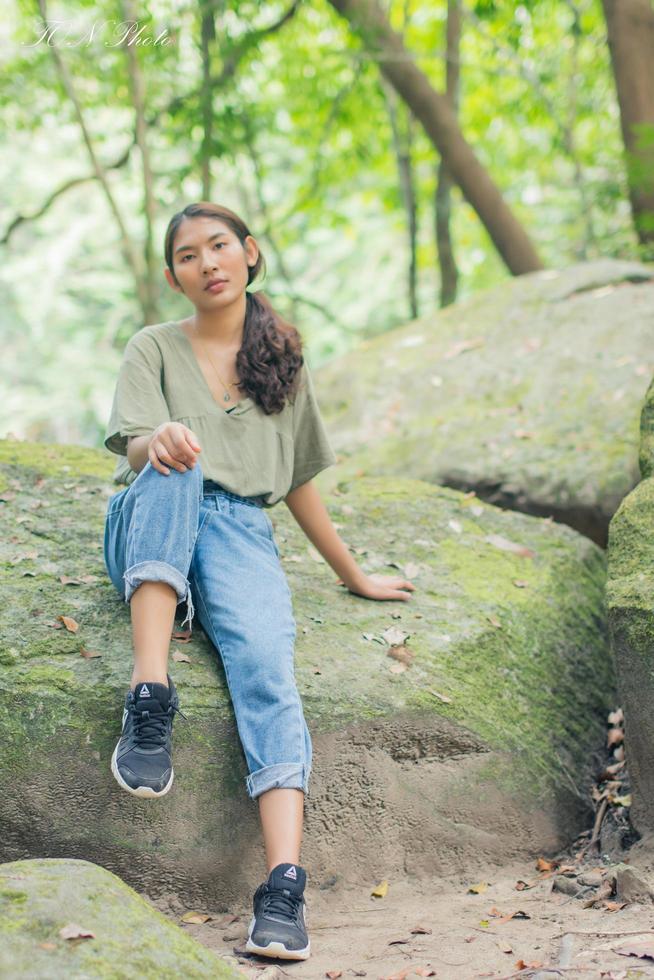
(245, 450)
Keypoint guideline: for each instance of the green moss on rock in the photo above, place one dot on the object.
(131, 939)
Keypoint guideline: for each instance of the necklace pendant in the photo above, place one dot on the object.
(226, 396)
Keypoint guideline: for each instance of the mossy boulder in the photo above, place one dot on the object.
(630, 601)
(475, 751)
(528, 393)
(130, 938)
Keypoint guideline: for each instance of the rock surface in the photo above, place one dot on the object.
(630, 600)
(131, 939)
(476, 752)
(528, 393)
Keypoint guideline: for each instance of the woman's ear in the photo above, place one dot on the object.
(251, 250)
(171, 281)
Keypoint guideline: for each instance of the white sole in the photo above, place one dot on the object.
(144, 792)
(276, 950)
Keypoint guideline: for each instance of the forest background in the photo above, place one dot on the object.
(344, 148)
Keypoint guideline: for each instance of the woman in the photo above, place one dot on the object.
(217, 418)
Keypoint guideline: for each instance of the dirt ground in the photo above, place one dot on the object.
(439, 928)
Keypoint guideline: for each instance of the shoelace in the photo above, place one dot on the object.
(150, 728)
(274, 900)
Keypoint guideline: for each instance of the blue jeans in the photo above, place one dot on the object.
(217, 551)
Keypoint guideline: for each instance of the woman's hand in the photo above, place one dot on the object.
(173, 443)
(381, 587)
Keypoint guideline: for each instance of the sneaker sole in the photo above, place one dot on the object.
(276, 950)
(144, 792)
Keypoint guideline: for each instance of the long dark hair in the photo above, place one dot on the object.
(269, 360)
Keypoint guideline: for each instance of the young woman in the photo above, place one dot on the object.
(217, 417)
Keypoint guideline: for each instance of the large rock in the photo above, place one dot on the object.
(131, 939)
(630, 596)
(528, 393)
(474, 753)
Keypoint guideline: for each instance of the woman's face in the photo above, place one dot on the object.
(206, 250)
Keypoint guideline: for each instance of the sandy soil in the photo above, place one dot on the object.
(438, 928)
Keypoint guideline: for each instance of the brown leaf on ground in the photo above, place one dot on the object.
(89, 654)
(397, 668)
(195, 917)
(398, 942)
(65, 580)
(401, 653)
(73, 931)
(615, 736)
(182, 636)
(521, 965)
(642, 948)
(181, 658)
(69, 623)
(463, 345)
(505, 545)
(521, 886)
(421, 931)
(543, 865)
(519, 914)
(478, 888)
(334, 974)
(494, 621)
(380, 890)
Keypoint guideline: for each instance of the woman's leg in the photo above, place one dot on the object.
(150, 532)
(152, 608)
(244, 605)
(281, 812)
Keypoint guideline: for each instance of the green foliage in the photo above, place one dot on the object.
(302, 146)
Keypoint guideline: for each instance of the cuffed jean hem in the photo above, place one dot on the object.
(285, 775)
(159, 571)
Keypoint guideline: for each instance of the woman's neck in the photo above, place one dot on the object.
(223, 327)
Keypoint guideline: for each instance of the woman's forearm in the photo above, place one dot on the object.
(137, 452)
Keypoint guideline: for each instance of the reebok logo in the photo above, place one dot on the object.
(291, 873)
(144, 692)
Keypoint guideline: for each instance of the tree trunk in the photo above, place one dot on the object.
(439, 121)
(630, 28)
(447, 262)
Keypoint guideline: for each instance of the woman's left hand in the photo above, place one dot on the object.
(381, 587)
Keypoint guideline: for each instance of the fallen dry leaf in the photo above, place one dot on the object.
(543, 865)
(182, 636)
(380, 890)
(520, 583)
(334, 974)
(479, 888)
(181, 658)
(614, 737)
(463, 345)
(424, 971)
(69, 623)
(401, 653)
(398, 942)
(397, 668)
(196, 917)
(89, 654)
(73, 931)
(513, 915)
(421, 931)
(521, 965)
(441, 697)
(505, 545)
(494, 621)
(642, 948)
(65, 580)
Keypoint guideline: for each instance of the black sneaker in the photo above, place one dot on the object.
(278, 926)
(142, 761)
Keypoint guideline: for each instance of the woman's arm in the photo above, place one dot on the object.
(308, 509)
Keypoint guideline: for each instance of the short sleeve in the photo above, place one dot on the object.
(139, 405)
(312, 451)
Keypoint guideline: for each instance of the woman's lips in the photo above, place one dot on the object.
(216, 287)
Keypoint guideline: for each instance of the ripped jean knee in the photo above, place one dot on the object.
(160, 571)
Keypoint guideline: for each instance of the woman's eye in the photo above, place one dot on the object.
(217, 245)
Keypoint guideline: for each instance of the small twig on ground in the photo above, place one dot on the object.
(637, 932)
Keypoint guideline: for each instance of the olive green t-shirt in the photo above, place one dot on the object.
(243, 449)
